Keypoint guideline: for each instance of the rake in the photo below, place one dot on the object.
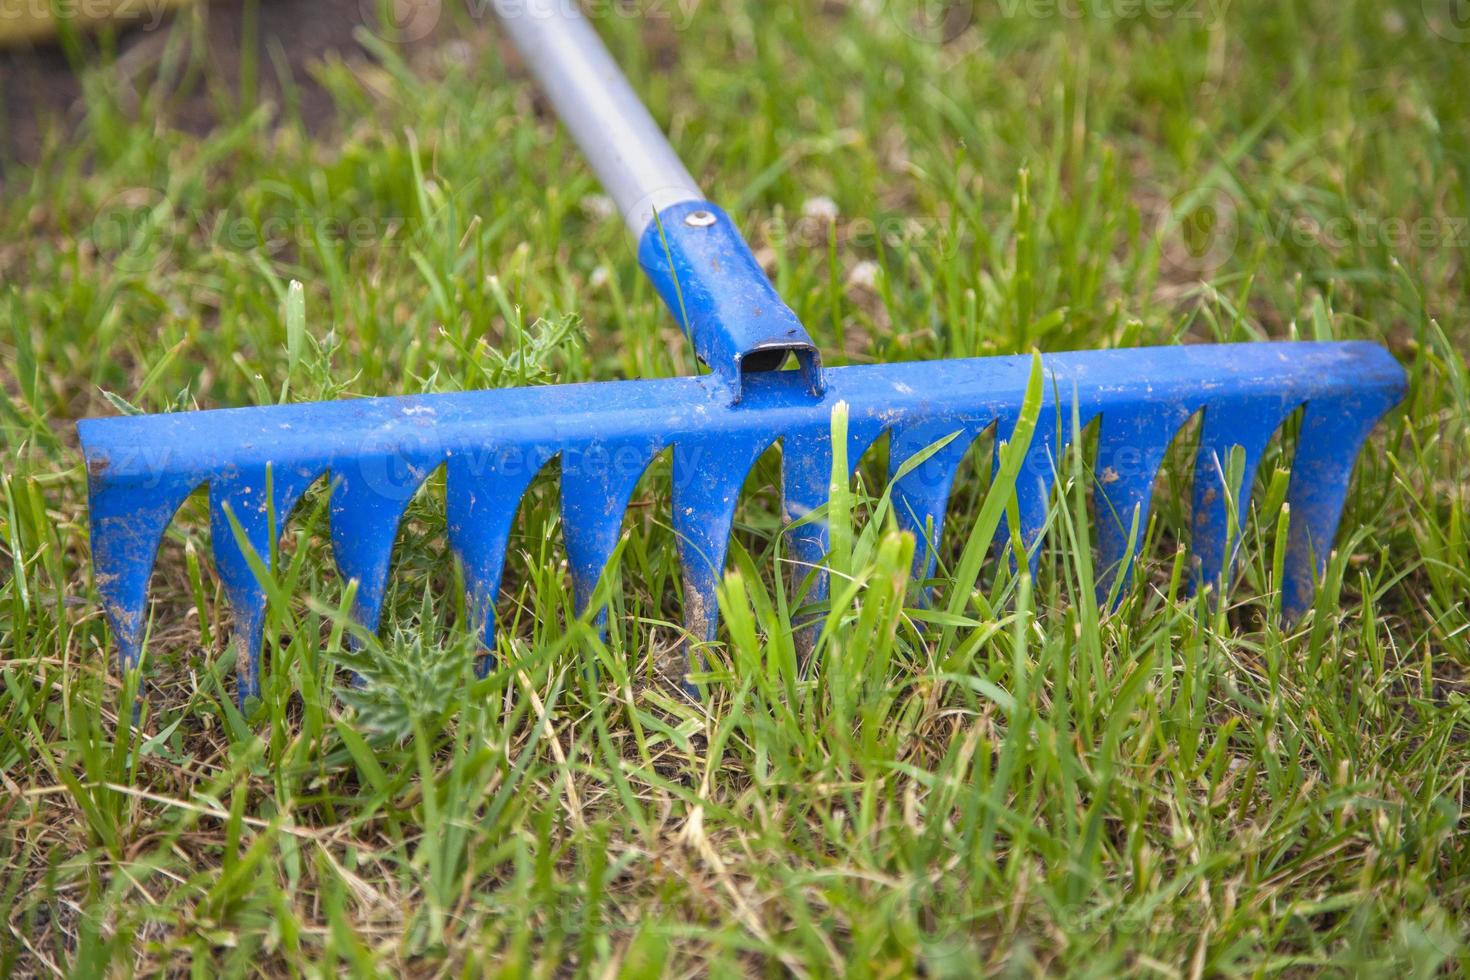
(765, 386)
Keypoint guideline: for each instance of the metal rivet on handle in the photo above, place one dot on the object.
(699, 219)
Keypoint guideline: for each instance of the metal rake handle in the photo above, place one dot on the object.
(635, 163)
(689, 248)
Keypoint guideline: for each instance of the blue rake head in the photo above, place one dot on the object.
(375, 453)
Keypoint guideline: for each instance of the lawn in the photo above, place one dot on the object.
(1023, 784)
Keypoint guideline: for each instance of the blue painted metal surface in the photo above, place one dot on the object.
(375, 454)
(722, 299)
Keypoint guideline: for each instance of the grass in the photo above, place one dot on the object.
(1027, 785)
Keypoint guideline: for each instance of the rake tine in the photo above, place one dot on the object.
(806, 478)
(1334, 428)
(806, 474)
(596, 488)
(921, 496)
(1250, 426)
(259, 502)
(482, 495)
(1131, 448)
(707, 482)
(1033, 487)
(368, 501)
(128, 519)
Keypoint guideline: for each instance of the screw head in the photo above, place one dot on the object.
(700, 219)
